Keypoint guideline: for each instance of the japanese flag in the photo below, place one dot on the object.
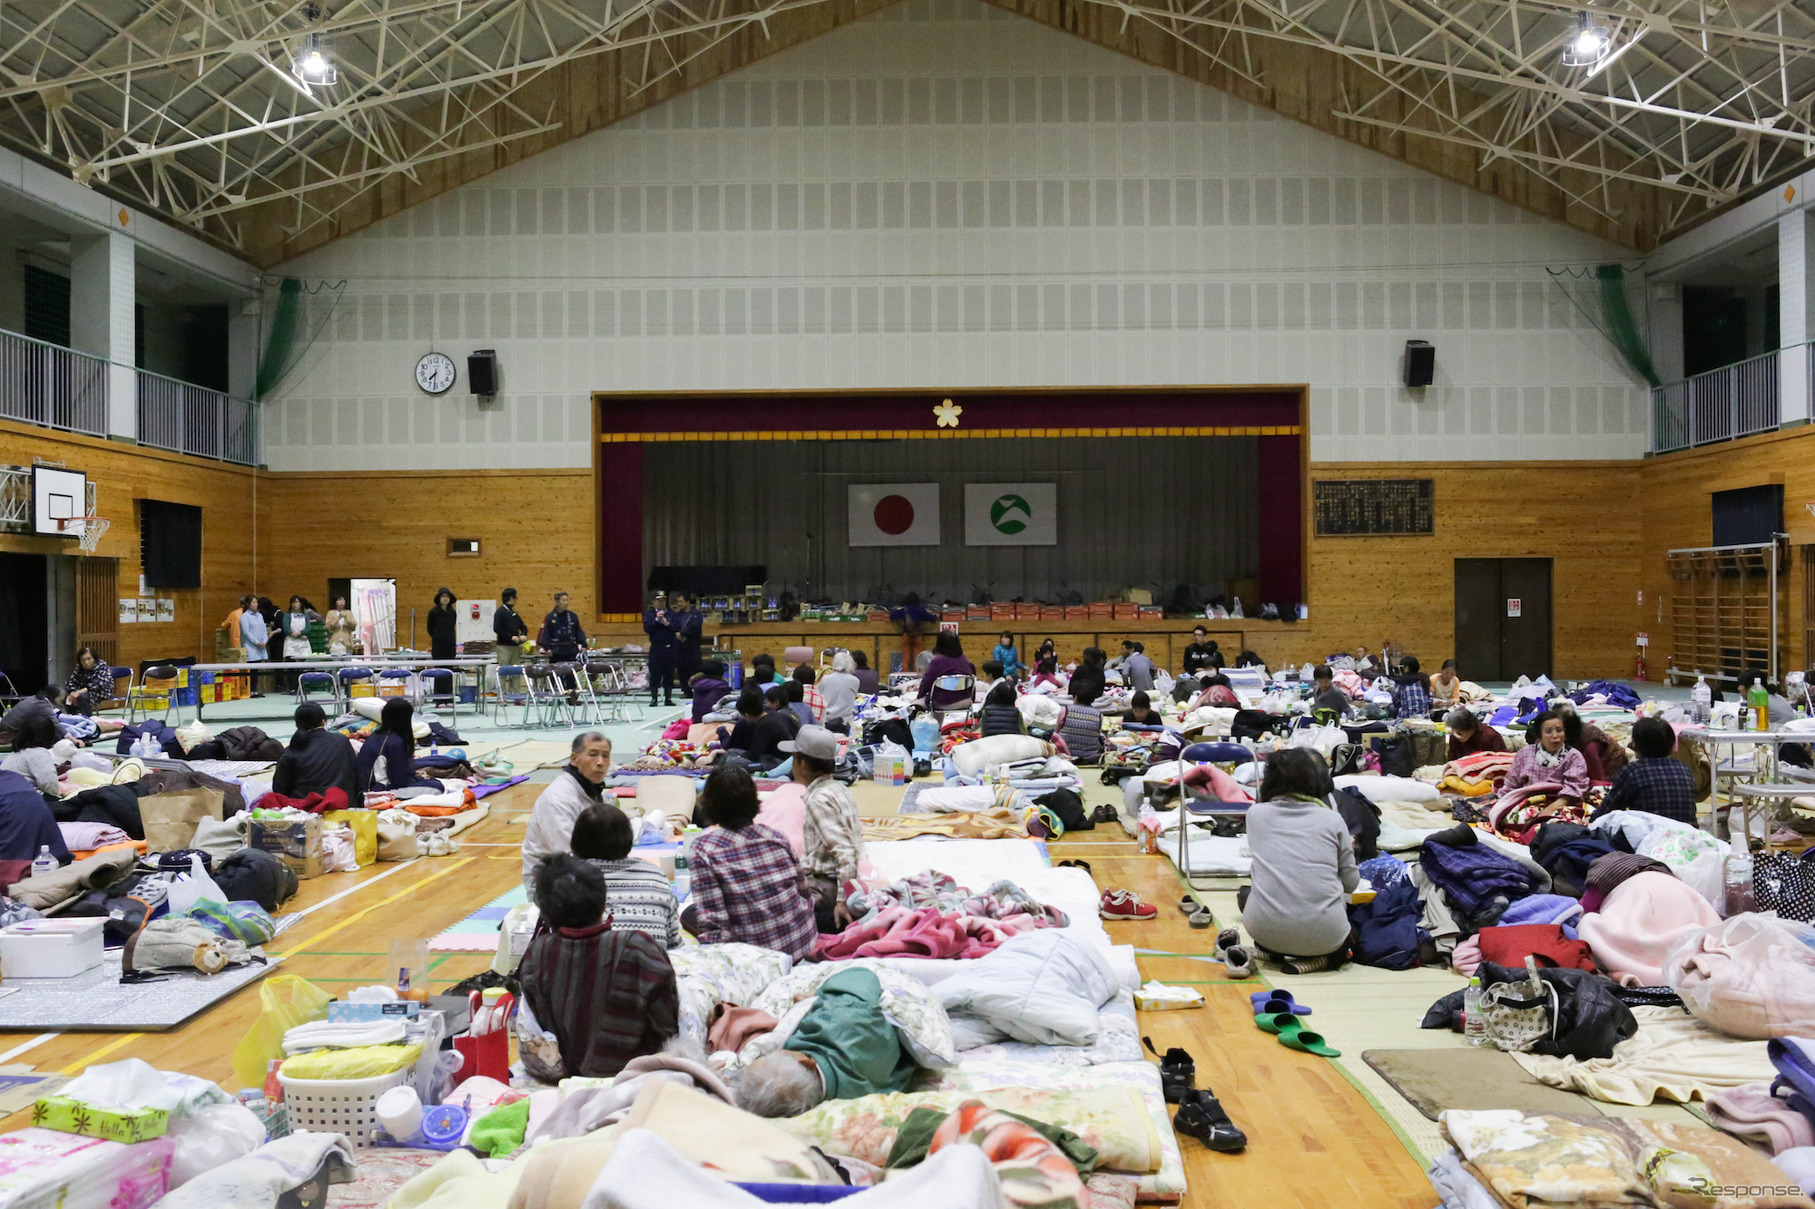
(893, 514)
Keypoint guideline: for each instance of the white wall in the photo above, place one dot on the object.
(946, 195)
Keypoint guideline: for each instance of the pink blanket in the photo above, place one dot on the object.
(905, 932)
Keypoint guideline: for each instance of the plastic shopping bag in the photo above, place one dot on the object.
(285, 1001)
(192, 887)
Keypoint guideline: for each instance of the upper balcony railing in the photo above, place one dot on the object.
(193, 419)
(1732, 401)
(51, 385)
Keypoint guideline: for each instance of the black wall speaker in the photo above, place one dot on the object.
(1420, 363)
(482, 371)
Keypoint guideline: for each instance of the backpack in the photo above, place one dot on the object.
(1386, 930)
(1397, 758)
(1362, 818)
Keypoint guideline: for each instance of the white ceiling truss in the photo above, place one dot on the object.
(188, 107)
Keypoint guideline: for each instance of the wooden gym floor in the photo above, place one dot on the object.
(1313, 1140)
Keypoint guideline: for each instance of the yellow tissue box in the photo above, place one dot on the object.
(116, 1125)
(1156, 996)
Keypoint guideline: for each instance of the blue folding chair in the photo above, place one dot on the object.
(347, 677)
(504, 698)
(441, 686)
(308, 680)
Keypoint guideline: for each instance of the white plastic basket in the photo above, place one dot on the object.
(348, 1106)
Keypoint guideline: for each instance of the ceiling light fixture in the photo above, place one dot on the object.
(1588, 45)
(313, 63)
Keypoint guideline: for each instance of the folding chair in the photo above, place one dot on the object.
(433, 694)
(347, 677)
(503, 698)
(949, 685)
(395, 677)
(308, 680)
(595, 677)
(547, 700)
(155, 694)
(117, 697)
(1190, 809)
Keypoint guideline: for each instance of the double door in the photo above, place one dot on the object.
(1503, 620)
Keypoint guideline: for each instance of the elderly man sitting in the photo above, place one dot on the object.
(843, 1048)
(579, 785)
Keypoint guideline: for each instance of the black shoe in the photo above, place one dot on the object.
(670, 701)
(1178, 1072)
(1200, 1116)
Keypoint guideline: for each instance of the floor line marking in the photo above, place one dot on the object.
(350, 920)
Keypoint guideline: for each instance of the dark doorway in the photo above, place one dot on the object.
(24, 621)
(1714, 328)
(337, 588)
(1503, 617)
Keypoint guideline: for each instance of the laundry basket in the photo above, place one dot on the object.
(348, 1106)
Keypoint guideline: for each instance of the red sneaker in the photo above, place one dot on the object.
(1125, 904)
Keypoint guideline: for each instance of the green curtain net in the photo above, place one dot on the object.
(289, 327)
(1603, 294)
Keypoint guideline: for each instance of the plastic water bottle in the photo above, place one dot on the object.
(1703, 698)
(1474, 1024)
(44, 862)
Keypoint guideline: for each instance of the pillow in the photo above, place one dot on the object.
(1389, 789)
(973, 757)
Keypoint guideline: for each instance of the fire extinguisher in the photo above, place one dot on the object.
(1638, 664)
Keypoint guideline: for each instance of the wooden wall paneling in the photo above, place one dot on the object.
(1676, 513)
(125, 473)
(535, 529)
(98, 606)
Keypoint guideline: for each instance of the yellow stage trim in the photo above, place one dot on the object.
(914, 434)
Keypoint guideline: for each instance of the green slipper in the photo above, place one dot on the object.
(1309, 1042)
(1278, 1023)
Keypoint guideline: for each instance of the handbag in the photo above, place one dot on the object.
(397, 835)
(1519, 1015)
(1784, 884)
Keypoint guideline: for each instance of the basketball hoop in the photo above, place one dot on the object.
(86, 529)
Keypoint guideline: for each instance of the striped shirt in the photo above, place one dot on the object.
(831, 835)
(639, 897)
(746, 886)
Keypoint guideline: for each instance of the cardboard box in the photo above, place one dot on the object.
(296, 843)
(50, 948)
(1052, 613)
(1125, 612)
(114, 1124)
(1002, 612)
(1077, 612)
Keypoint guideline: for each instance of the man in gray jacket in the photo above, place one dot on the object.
(579, 785)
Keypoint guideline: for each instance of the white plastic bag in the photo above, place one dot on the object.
(337, 851)
(210, 1137)
(1321, 739)
(193, 886)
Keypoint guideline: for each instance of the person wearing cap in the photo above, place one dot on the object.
(831, 835)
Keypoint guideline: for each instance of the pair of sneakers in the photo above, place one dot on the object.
(1199, 1114)
(436, 843)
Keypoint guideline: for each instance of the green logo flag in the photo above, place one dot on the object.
(1011, 514)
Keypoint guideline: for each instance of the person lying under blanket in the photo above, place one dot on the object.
(843, 1048)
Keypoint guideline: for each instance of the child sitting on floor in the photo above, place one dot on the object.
(1000, 717)
(1141, 712)
(636, 892)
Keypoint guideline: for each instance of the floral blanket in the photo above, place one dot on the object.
(708, 975)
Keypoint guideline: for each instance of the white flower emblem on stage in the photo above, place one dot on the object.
(947, 414)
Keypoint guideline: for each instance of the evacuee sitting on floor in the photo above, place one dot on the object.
(1328, 704)
(843, 1048)
(1000, 717)
(1446, 686)
(1656, 782)
(1046, 677)
(776, 700)
(575, 787)
(988, 676)
(707, 685)
(607, 994)
(1082, 724)
(1141, 712)
(317, 760)
(1602, 756)
(746, 884)
(796, 694)
(387, 758)
(1304, 866)
(840, 687)
(831, 836)
(1548, 759)
(1468, 734)
(758, 735)
(1412, 691)
(637, 894)
(762, 671)
(31, 756)
(810, 694)
(1217, 691)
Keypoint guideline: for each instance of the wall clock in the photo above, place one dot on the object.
(435, 373)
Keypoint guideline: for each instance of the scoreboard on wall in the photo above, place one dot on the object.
(1373, 507)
